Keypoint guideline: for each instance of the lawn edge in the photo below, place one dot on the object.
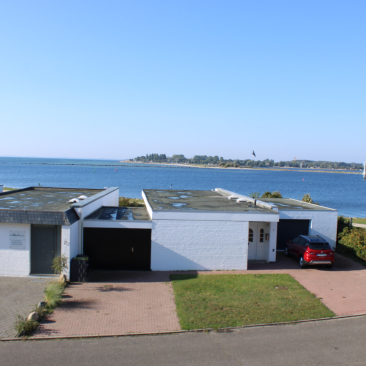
(202, 330)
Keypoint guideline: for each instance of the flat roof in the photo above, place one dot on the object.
(289, 204)
(42, 198)
(120, 213)
(190, 200)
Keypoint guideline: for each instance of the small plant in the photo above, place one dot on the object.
(254, 195)
(53, 294)
(275, 194)
(25, 327)
(307, 198)
(131, 202)
(60, 263)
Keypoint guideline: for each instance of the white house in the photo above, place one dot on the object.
(177, 230)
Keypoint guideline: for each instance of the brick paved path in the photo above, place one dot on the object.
(18, 295)
(120, 302)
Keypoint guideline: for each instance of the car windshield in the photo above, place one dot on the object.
(319, 246)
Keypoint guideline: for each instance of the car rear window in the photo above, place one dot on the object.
(319, 246)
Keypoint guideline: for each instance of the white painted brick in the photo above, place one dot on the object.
(14, 262)
(199, 245)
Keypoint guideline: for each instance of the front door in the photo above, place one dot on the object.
(257, 243)
(45, 245)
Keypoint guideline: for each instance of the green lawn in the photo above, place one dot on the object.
(356, 220)
(215, 301)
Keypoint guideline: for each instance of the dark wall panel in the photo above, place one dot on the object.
(118, 249)
(289, 229)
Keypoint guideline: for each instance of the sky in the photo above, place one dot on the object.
(119, 79)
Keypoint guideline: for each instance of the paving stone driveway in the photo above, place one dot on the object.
(120, 302)
(18, 295)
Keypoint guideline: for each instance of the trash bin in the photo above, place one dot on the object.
(79, 269)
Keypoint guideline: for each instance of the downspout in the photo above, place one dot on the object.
(81, 232)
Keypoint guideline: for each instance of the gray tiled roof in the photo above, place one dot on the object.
(41, 205)
(38, 217)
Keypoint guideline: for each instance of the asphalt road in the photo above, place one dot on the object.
(335, 342)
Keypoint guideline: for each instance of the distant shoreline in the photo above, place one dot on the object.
(337, 171)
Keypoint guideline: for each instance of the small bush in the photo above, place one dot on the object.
(53, 294)
(25, 327)
(307, 198)
(131, 202)
(275, 194)
(60, 263)
(254, 195)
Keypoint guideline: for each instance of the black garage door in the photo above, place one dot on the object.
(289, 229)
(118, 249)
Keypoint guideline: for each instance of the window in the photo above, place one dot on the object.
(251, 235)
(302, 242)
(261, 235)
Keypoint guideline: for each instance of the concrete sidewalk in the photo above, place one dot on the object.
(19, 296)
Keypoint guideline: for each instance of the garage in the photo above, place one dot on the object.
(289, 229)
(118, 249)
(118, 238)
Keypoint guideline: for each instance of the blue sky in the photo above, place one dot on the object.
(118, 79)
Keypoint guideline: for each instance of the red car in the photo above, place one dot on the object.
(310, 250)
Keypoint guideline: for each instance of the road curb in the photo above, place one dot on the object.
(219, 330)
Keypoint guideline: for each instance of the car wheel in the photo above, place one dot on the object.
(302, 262)
(286, 251)
(330, 266)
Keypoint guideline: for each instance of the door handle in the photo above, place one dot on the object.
(132, 250)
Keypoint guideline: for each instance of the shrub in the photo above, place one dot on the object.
(353, 242)
(307, 198)
(275, 194)
(60, 263)
(254, 195)
(25, 327)
(343, 222)
(53, 294)
(131, 202)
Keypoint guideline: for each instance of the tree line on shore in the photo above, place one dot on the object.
(248, 163)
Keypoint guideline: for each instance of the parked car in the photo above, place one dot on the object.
(310, 250)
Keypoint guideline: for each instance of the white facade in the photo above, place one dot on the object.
(199, 245)
(14, 261)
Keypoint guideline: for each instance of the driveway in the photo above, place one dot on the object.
(18, 296)
(114, 303)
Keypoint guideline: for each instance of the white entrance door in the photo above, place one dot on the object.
(257, 243)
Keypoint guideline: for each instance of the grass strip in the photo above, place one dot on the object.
(216, 301)
(357, 220)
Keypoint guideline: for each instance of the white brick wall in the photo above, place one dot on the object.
(69, 242)
(14, 262)
(199, 245)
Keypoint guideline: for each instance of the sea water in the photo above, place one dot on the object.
(344, 192)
